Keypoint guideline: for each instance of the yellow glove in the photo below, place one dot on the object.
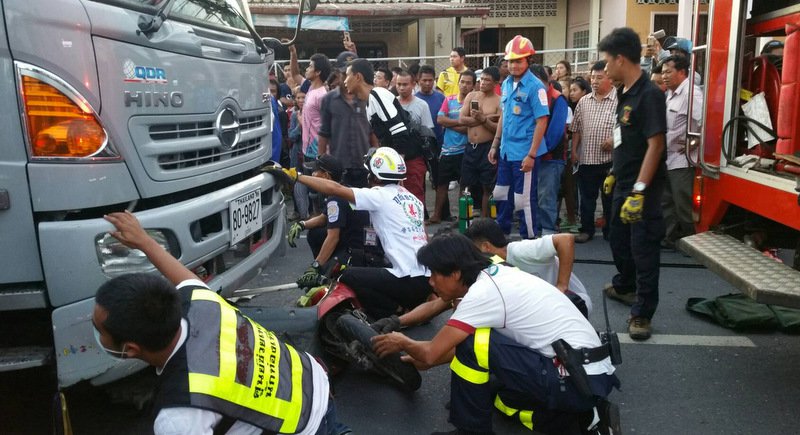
(608, 184)
(631, 211)
(281, 174)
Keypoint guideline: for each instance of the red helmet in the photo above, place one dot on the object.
(518, 48)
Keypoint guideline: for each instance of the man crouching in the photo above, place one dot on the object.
(506, 324)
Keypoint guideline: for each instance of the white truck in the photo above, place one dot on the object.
(160, 107)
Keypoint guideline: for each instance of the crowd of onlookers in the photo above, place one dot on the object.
(317, 115)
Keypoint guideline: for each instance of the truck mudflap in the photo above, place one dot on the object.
(757, 276)
(69, 246)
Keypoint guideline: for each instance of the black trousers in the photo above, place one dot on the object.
(382, 294)
(636, 248)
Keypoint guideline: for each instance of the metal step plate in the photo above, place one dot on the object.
(18, 358)
(759, 277)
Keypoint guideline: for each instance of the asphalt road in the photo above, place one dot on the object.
(692, 377)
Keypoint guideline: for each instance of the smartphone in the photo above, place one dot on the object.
(473, 105)
(346, 36)
(658, 34)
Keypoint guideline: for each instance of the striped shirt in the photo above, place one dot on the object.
(454, 142)
(595, 119)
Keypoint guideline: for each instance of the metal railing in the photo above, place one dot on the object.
(580, 59)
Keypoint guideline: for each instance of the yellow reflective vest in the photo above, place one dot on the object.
(231, 365)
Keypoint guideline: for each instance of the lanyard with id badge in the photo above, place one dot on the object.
(617, 135)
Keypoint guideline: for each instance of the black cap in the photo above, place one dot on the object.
(343, 59)
(771, 45)
(329, 164)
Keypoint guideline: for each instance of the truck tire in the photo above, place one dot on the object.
(356, 330)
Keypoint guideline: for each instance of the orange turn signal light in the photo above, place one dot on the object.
(58, 126)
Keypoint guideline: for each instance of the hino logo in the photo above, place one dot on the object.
(153, 99)
(227, 128)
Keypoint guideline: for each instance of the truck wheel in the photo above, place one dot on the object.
(356, 330)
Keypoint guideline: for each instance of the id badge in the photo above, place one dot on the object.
(617, 136)
(370, 237)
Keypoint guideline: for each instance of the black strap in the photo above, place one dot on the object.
(224, 425)
(380, 103)
(595, 354)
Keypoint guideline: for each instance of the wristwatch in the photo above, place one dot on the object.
(315, 264)
(639, 187)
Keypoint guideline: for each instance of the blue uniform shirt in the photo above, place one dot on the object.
(521, 108)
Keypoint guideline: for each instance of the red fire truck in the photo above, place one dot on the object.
(746, 195)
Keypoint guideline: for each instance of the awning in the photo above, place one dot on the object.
(410, 11)
(309, 22)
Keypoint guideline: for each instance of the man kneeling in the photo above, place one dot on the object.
(506, 325)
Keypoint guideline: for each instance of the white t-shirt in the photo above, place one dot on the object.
(529, 311)
(538, 257)
(397, 216)
(191, 421)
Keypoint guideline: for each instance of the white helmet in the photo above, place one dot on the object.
(385, 164)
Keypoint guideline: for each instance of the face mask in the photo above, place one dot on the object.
(117, 354)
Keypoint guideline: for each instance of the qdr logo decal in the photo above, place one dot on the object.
(143, 74)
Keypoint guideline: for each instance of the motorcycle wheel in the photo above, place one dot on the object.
(355, 329)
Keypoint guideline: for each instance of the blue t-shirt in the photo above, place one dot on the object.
(434, 102)
(454, 141)
(522, 106)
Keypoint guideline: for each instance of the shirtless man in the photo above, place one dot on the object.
(482, 125)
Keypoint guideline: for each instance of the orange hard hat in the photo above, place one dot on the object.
(518, 48)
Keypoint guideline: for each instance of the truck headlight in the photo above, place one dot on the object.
(117, 259)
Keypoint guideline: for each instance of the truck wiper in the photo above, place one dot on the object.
(150, 24)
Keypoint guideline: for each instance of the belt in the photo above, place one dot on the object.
(594, 355)
(476, 145)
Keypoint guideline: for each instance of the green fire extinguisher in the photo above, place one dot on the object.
(465, 204)
(492, 207)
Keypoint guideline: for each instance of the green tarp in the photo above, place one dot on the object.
(739, 312)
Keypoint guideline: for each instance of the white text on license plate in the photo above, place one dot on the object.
(244, 215)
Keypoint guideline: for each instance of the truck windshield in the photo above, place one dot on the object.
(216, 13)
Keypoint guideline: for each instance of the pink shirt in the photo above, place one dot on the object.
(312, 120)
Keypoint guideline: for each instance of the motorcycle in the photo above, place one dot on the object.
(331, 323)
(345, 336)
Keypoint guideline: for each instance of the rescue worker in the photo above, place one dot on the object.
(506, 325)
(218, 370)
(336, 233)
(397, 217)
(518, 141)
(549, 257)
(637, 179)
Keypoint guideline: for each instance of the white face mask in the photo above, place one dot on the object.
(117, 354)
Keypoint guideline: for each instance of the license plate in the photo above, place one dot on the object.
(244, 215)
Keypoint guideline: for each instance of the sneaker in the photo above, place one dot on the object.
(583, 238)
(452, 185)
(626, 298)
(668, 245)
(609, 418)
(639, 328)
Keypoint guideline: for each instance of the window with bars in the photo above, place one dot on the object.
(519, 8)
(580, 39)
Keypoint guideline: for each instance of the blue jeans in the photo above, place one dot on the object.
(549, 180)
(590, 183)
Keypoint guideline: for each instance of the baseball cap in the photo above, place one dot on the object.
(343, 59)
(682, 44)
(329, 164)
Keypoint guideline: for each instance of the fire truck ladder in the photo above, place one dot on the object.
(761, 278)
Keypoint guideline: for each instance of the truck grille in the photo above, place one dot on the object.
(191, 159)
(188, 145)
